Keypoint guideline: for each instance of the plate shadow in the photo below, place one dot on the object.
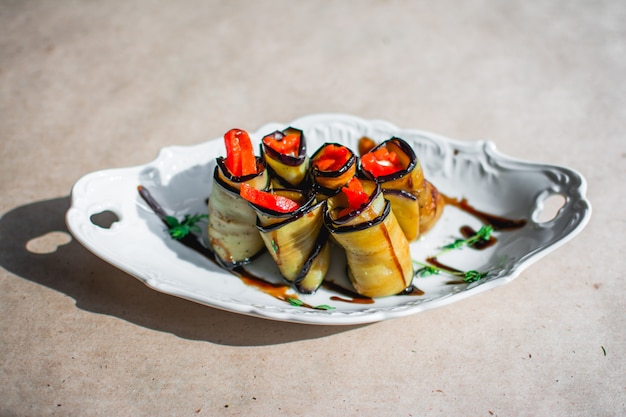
(35, 244)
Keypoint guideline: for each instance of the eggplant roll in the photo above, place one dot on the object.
(415, 217)
(232, 222)
(297, 241)
(332, 166)
(409, 177)
(377, 251)
(288, 164)
(402, 187)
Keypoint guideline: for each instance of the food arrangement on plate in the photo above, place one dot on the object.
(299, 204)
(369, 204)
(314, 219)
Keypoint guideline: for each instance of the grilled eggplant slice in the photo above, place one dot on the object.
(232, 222)
(297, 240)
(286, 158)
(377, 251)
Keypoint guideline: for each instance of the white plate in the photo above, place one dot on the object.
(181, 177)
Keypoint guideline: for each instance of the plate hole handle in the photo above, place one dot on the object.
(104, 219)
(549, 205)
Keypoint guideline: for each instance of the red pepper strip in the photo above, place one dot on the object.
(240, 158)
(381, 162)
(332, 158)
(267, 200)
(287, 145)
(357, 197)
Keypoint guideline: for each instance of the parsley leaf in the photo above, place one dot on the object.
(295, 301)
(483, 234)
(473, 276)
(179, 230)
(427, 270)
(324, 307)
(299, 303)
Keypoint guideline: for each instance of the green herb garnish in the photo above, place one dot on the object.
(299, 303)
(295, 301)
(426, 270)
(483, 234)
(472, 275)
(324, 307)
(179, 230)
(467, 276)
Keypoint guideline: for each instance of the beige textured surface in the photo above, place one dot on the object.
(92, 85)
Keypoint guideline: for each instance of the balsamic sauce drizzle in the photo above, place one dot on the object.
(283, 291)
(496, 222)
